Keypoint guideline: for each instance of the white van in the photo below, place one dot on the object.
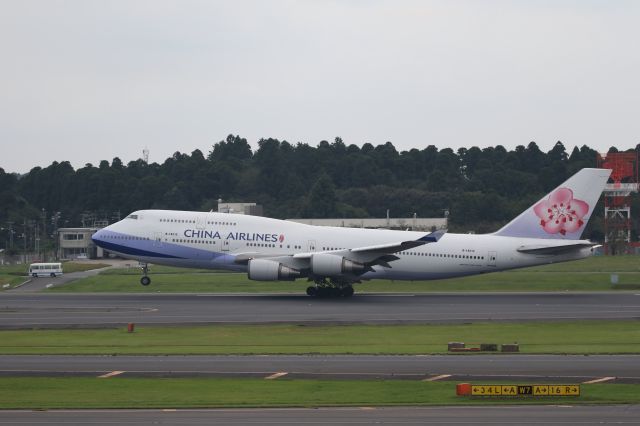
(45, 269)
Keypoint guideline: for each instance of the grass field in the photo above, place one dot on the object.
(592, 274)
(575, 337)
(51, 393)
(16, 274)
(12, 280)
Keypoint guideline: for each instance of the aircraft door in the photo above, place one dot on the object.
(157, 239)
(201, 221)
(229, 245)
(492, 258)
(311, 246)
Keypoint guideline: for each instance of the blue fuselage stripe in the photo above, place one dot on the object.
(133, 251)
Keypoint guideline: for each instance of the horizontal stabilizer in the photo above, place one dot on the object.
(554, 249)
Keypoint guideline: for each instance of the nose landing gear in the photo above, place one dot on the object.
(145, 280)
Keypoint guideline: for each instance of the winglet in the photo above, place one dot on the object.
(433, 237)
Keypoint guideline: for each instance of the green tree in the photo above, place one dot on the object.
(322, 198)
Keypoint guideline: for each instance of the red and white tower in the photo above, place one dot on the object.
(617, 199)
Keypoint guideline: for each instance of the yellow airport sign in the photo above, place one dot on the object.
(525, 390)
(564, 390)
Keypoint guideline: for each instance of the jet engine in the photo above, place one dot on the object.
(269, 270)
(330, 265)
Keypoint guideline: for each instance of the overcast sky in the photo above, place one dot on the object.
(90, 80)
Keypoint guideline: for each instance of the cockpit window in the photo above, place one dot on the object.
(132, 216)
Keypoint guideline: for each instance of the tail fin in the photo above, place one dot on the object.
(564, 212)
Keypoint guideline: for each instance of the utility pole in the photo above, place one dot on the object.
(36, 239)
(10, 235)
(24, 241)
(44, 235)
(54, 223)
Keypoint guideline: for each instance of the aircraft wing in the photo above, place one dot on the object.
(371, 253)
(380, 254)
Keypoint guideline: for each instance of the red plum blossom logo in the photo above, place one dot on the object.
(281, 238)
(561, 213)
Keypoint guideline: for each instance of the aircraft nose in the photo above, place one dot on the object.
(98, 237)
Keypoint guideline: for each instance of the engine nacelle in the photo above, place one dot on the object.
(269, 270)
(330, 265)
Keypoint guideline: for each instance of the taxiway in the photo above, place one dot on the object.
(22, 310)
(497, 415)
(556, 368)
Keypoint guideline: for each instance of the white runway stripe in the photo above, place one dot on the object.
(276, 375)
(433, 379)
(113, 373)
(600, 380)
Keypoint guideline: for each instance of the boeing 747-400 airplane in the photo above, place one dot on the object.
(335, 258)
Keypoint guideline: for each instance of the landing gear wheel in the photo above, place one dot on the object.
(145, 280)
(333, 289)
(347, 291)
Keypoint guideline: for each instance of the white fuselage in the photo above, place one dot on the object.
(214, 240)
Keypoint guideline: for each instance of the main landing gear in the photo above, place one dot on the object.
(145, 280)
(334, 289)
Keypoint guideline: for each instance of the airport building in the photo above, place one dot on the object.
(412, 223)
(403, 223)
(252, 209)
(76, 243)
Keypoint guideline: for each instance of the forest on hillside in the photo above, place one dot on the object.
(480, 188)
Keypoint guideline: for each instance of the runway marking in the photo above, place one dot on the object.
(433, 379)
(276, 375)
(600, 380)
(113, 373)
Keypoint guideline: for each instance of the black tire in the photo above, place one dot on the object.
(53, 275)
(312, 291)
(34, 275)
(145, 281)
(347, 291)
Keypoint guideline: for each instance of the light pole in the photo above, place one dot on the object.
(11, 232)
(6, 241)
(24, 244)
(54, 222)
(43, 239)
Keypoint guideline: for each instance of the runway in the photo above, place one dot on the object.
(460, 415)
(547, 368)
(24, 310)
